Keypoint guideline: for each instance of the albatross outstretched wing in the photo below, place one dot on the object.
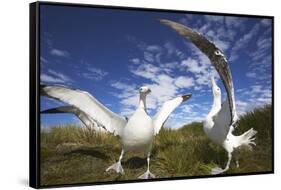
(84, 118)
(167, 108)
(215, 55)
(90, 106)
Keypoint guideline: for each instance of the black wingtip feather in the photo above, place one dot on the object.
(42, 91)
(186, 97)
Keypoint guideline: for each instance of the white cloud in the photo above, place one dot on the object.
(148, 56)
(128, 96)
(173, 50)
(243, 41)
(201, 68)
(154, 48)
(169, 67)
(261, 58)
(251, 75)
(234, 22)
(266, 22)
(187, 108)
(123, 86)
(213, 18)
(147, 71)
(222, 45)
(185, 115)
(135, 60)
(51, 79)
(60, 75)
(193, 66)
(43, 60)
(94, 73)
(59, 53)
(184, 82)
(130, 102)
(55, 77)
(242, 106)
(254, 96)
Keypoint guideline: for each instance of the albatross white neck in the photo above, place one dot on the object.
(142, 102)
(216, 105)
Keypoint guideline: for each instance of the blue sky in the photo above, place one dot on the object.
(111, 53)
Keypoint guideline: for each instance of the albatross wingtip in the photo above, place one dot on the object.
(186, 97)
(42, 91)
(164, 21)
(168, 22)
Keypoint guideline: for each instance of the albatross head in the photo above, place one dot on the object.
(216, 90)
(144, 90)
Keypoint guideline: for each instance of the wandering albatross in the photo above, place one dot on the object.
(216, 128)
(220, 122)
(136, 133)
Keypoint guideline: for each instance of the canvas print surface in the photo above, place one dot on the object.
(131, 94)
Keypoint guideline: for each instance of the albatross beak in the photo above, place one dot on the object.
(216, 57)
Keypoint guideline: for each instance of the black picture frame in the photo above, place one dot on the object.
(34, 93)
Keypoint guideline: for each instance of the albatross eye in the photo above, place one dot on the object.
(217, 52)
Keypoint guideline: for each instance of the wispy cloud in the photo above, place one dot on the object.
(51, 79)
(184, 82)
(252, 97)
(94, 73)
(251, 75)
(128, 96)
(193, 66)
(59, 52)
(243, 41)
(261, 60)
(55, 77)
(43, 60)
(200, 66)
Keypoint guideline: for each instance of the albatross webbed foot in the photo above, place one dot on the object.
(117, 167)
(147, 175)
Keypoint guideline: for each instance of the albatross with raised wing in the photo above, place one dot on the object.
(136, 133)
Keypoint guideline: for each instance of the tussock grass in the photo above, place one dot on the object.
(71, 154)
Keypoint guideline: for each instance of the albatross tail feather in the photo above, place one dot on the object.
(248, 138)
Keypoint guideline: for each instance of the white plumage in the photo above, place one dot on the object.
(217, 128)
(84, 118)
(136, 134)
(221, 119)
(89, 105)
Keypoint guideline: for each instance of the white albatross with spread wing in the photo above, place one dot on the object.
(219, 123)
(136, 133)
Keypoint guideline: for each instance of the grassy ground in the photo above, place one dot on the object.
(71, 154)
